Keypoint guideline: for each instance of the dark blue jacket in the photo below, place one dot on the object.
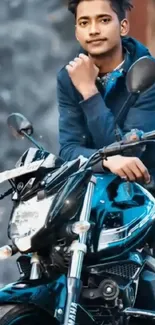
(87, 125)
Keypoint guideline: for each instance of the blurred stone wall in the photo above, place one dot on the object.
(151, 26)
(36, 40)
(143, 28)
(138, 20)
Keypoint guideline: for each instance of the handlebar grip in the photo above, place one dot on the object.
(118, 148)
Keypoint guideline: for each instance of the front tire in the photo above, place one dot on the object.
(24, 315)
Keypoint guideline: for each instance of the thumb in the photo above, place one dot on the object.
(92, 61)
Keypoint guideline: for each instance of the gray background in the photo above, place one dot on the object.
(36, 40)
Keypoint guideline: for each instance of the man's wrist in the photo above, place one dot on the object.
(89, 92)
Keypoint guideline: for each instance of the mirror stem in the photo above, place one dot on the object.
(123, 109)
(118, 133)
(32, 140)
(132, 98)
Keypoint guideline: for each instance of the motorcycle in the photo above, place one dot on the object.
(85, 240)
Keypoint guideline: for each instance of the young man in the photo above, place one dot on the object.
(92, 87)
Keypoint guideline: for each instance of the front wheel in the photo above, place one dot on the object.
(24, 315)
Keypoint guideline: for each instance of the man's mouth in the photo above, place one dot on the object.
(97, 41)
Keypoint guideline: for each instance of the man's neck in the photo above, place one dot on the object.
(109, 62)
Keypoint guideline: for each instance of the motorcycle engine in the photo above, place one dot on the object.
(105, 296)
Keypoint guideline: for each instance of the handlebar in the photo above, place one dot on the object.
(121, 146)
(148, 136)
(118, 147)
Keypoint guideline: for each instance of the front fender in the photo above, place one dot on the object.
(49, 296)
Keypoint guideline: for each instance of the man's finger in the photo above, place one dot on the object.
(69, 68)
(144, 171)
(137, 172)
(84, 57)
(129, 173)
(78, 60)
(121, 174)
(72, 63)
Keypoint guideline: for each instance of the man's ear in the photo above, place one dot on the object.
(125, 27)
(76, 35)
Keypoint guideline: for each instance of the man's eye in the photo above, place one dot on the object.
(83, 23)
(105, 20)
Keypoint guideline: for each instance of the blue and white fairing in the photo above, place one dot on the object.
(123, 213)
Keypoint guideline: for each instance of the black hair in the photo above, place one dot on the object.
(119, 6)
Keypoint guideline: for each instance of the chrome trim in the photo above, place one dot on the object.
(124, 231)
(134, 312)
(36, 267)
(80, 248)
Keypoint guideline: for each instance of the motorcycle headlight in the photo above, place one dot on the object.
(27, 219)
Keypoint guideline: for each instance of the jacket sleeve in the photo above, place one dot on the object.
(72, 132)
(99, 119)
(74, 118)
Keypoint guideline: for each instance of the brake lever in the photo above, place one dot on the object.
(134, 135)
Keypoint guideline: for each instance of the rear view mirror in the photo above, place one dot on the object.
(19, 125)
(141, 75)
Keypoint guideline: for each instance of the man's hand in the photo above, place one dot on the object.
(130, 168)
(83, 73)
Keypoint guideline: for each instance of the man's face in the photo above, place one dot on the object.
(98, 28)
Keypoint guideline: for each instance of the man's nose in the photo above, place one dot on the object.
(94, 29)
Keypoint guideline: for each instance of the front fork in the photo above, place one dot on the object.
(79, 249)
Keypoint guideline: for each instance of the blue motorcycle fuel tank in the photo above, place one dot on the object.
(122, 212)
